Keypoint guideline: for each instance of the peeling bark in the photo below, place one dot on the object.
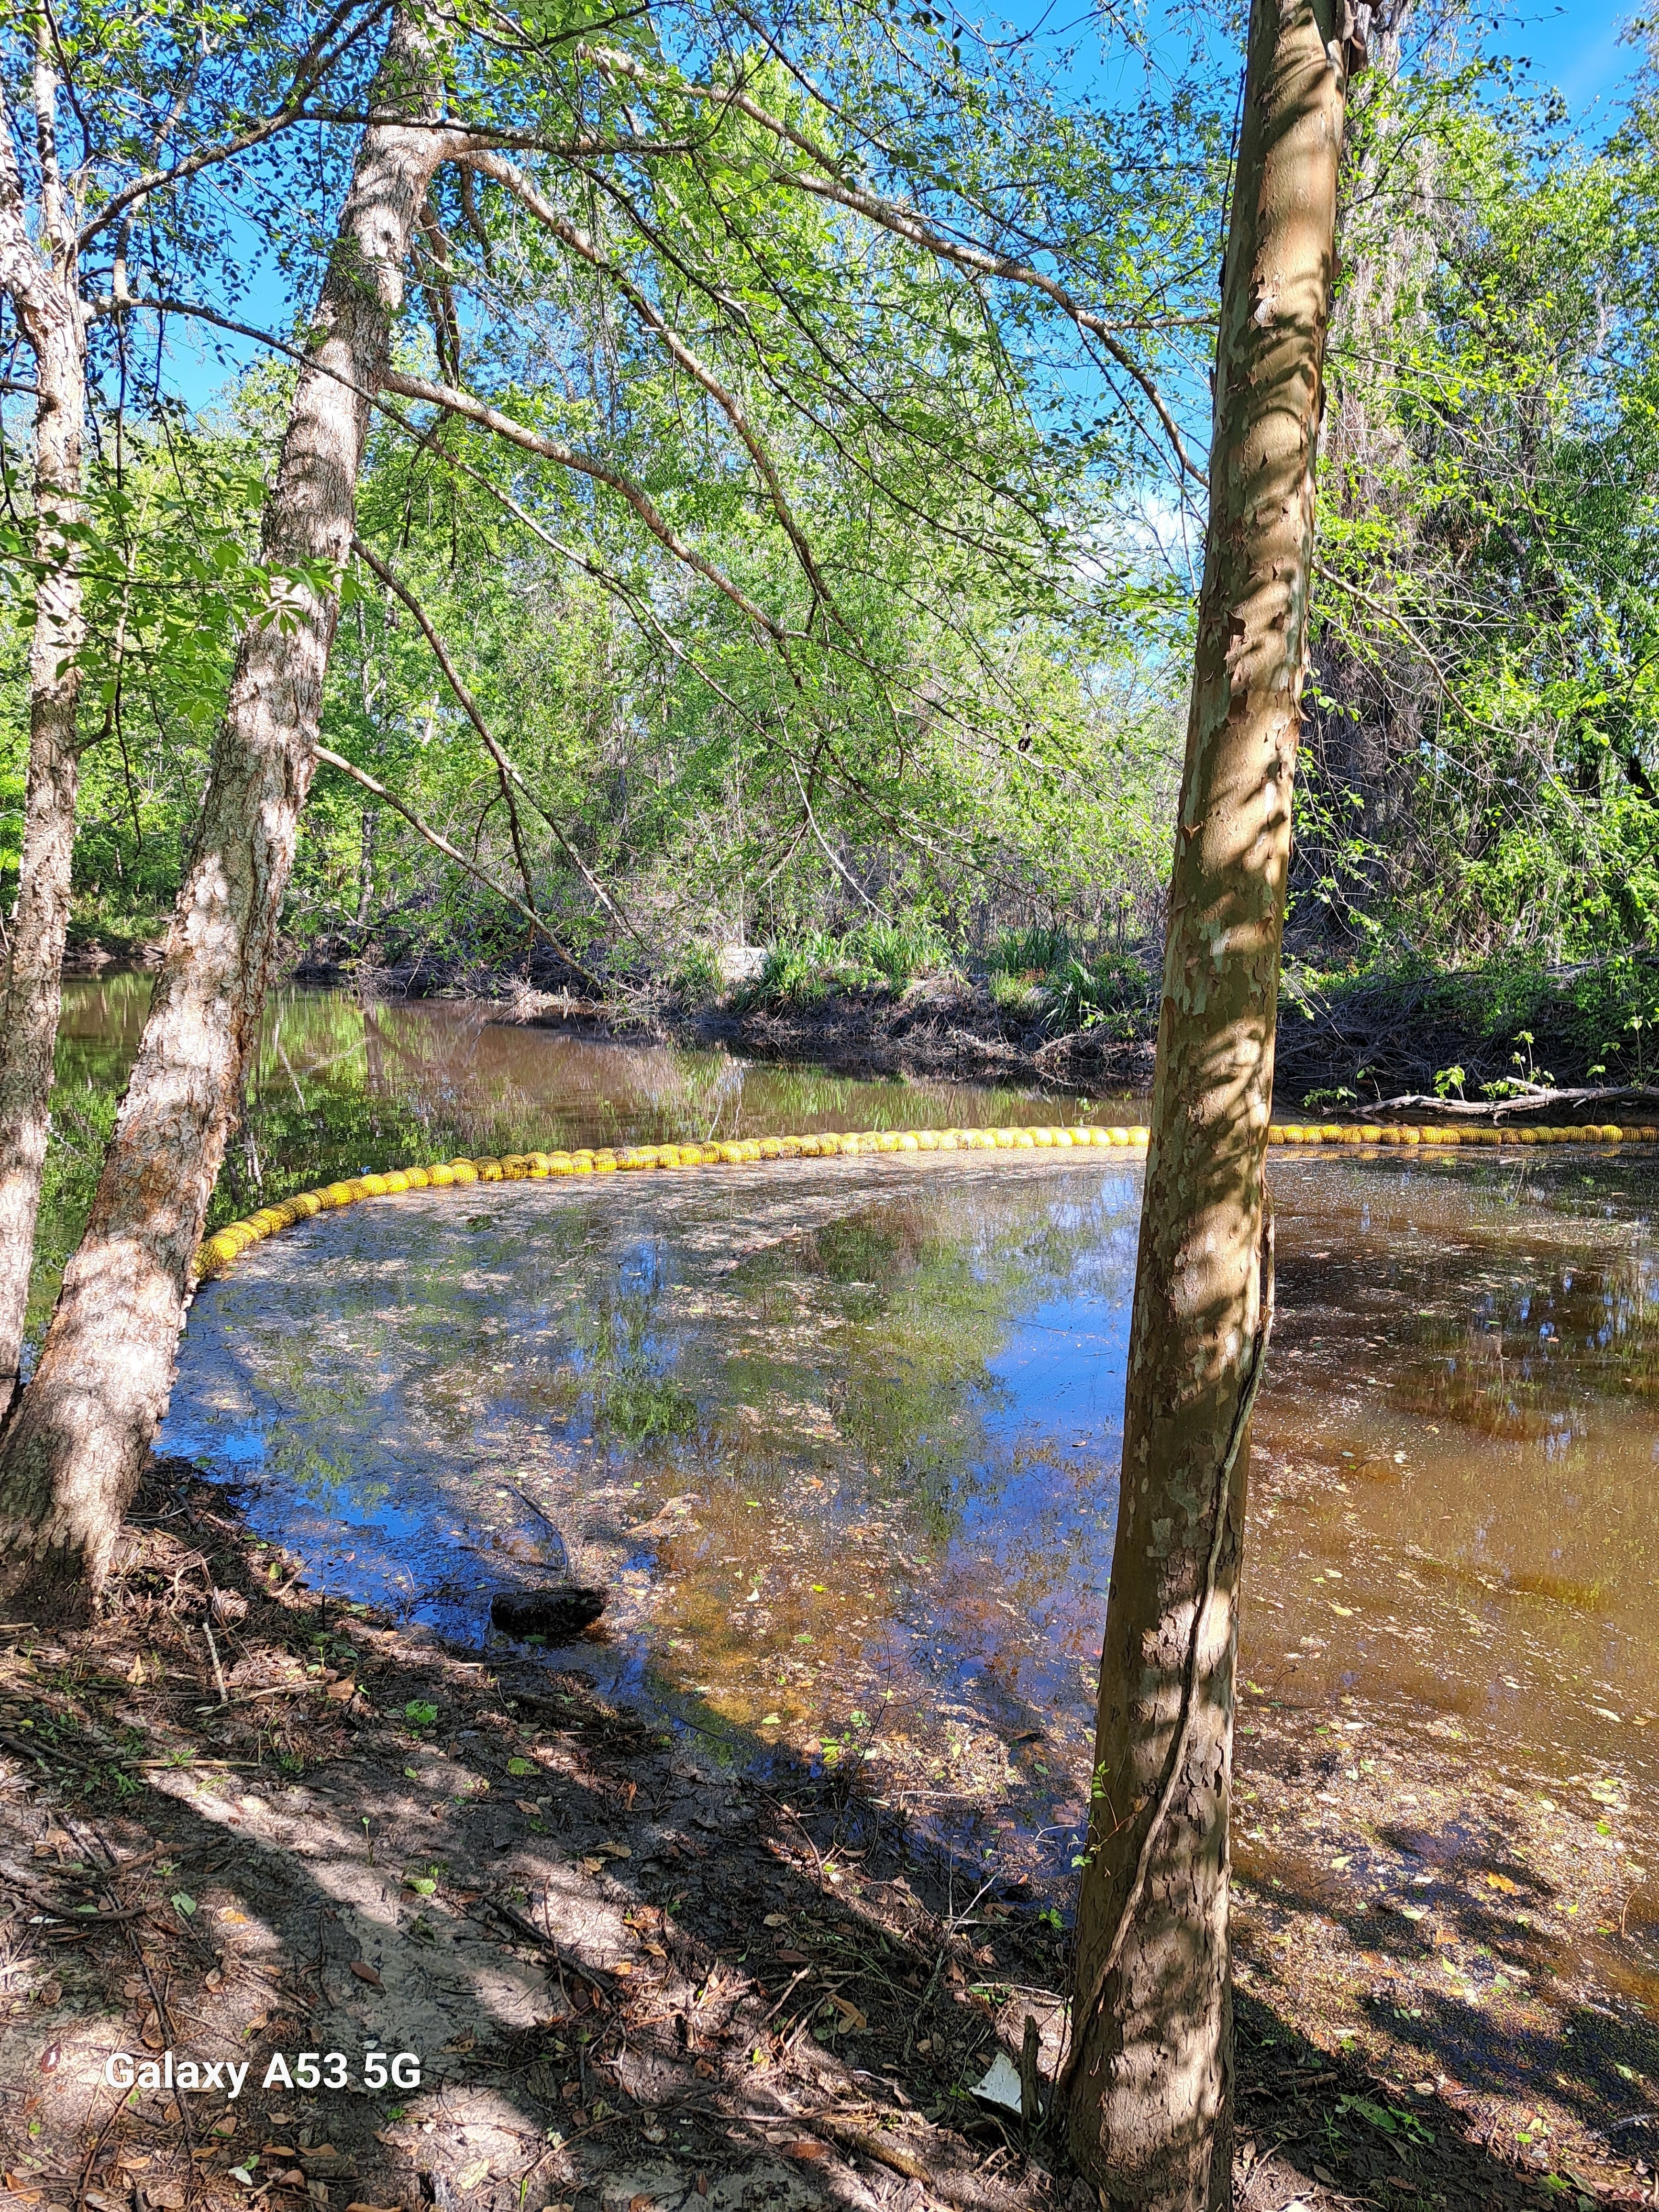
(1149, 2078)
(41, 281)
(75, 1448)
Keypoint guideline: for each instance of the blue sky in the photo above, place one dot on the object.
(1571, 44)
(1575, 46)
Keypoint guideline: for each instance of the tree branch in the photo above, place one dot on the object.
(436, 838)
(513, 179)
(906, 223)
(508, 770)
(533, 442)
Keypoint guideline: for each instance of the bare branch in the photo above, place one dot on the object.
(439, 843)
(510, 773)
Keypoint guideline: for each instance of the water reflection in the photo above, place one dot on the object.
(804, 1429)
(843, 1442)
(842, 1438)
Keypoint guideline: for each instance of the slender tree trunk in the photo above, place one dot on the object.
(41, 281)
(1149, 2080)
(78, 1441)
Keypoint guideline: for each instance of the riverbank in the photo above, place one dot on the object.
(1347, 1038)
(241, 1819)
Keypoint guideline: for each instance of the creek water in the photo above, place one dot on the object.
(841, 1437)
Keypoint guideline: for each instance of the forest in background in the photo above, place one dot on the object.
(912, 706)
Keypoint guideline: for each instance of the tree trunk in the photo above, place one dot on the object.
(41, 283)
(77, 1444)
(1150, 2081)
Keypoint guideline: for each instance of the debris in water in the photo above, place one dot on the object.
(558, 1614)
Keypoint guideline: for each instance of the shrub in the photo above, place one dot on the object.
(1114, 993)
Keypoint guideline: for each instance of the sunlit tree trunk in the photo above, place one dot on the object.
(1150, 2082)
(38, 275)
(77, 1443)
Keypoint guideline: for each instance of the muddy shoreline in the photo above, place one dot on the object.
(240, 1817)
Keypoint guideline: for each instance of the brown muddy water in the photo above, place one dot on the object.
(841, 1437)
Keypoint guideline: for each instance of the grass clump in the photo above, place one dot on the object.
(881, 954)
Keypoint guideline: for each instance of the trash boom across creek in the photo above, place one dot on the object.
(228, 1244)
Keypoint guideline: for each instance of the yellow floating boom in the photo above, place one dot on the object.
(229, 1243)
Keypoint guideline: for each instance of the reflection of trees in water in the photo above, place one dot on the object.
(892, 1314)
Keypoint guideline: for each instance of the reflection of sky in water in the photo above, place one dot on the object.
(843, 1442)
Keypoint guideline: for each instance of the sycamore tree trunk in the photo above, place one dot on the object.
(1148, 2079)
(38, 275)
(82, 1428)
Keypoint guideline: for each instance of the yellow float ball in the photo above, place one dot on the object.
(463, 1170)
(1370, 1133)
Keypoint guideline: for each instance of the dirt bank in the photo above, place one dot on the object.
(237, 1821)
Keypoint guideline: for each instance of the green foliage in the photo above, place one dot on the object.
(1032, 952)
(1113, 993)
(876, 955)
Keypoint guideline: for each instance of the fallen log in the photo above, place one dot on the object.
(1533, 1102)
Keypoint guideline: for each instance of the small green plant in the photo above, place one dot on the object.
(419, 1714)
(1032, 952)
(696, 974)
(1449, 1081)
(1114, 993)
(1533, 1076)
(1316, 1102)
(1015, 996)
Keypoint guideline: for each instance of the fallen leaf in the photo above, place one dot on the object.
(52, 2058)
(339, 1691)
(1502, 1881)
(805, 2149)
(1329, 2179)
(180, 1903)
(792, 1957)
(526, 1806)
(373, 2207)
(643, 2203)
(850, 2014)
(365, 1972)
(774, 1920)
(470, 2176)
(702, 2184)
(614, 1850)
(230, 1915)
(592, 1865)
